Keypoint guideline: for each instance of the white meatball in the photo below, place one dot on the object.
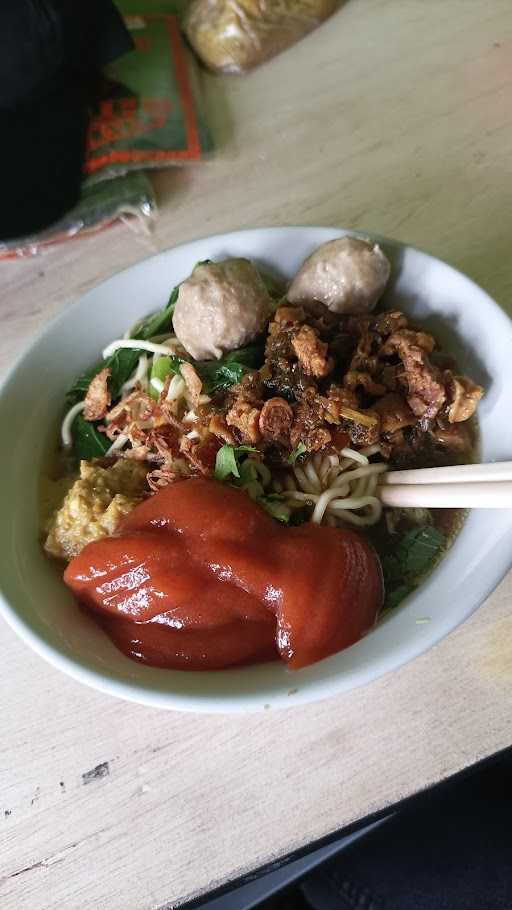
(222, 306)
(347, 275)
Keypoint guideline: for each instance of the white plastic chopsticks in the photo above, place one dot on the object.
(470, 486)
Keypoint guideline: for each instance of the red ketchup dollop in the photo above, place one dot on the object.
(199, 577)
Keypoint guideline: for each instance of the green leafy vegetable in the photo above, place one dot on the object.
(122, 364)
(78, 390)
(397, 595)
(214, 374)
(88, 442)
(299, 450)
(250, 356)
(157, 323)
(221, 374)
(162, 366)
(250, 478)
(250, 475)
(417, 551)
(419, 548)
(160, 322)
(218, 374)
(227, 459)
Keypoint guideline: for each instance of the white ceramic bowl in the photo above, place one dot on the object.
(38, 606)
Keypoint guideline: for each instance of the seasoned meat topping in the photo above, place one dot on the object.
(385, 324)
(337, 401)
(309, 426)
(245, 418)
(463, 397)
(311, 352)
(422, 380)
(364, 434)
(355, 379)
(286, 316)
(276, 420)
(394, 412)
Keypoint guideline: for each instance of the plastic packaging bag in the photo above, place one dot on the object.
(232, 36)
(101, 204)
(149, 111)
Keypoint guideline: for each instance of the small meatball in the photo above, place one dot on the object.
(222, 306)
(276, 420)
(347, 275)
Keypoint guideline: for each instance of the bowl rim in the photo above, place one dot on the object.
(133, 691)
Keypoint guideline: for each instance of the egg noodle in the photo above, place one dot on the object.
(338, 488)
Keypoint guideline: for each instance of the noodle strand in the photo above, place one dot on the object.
(339, 489)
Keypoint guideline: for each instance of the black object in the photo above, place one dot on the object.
(51, 52)
(450, 850)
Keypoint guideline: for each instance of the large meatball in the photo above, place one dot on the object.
(347, 275)
(222, 306)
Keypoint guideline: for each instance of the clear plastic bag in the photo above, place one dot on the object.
(130, 197)
(233, 36)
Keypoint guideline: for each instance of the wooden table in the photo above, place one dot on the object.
(393, 117)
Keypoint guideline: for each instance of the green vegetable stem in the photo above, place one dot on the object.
(252, 476)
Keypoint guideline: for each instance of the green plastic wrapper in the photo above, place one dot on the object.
(149, 112)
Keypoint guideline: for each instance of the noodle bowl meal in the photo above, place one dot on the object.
(222, 462)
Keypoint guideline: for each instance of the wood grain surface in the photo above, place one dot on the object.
(393, 117)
